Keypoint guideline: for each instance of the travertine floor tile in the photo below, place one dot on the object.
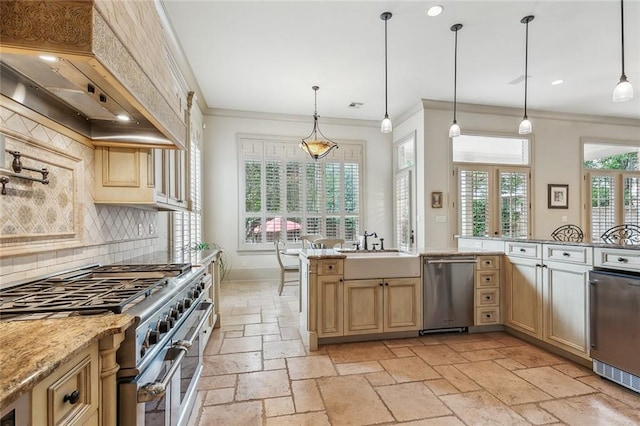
(441, 387)
(438, 354)
(409, 369)
(622, 394)
(502, 383)
(398, 343)
(457, 378)
(262, 384)
(278, 406)
(402, 352)
(509, 364)
(232, 363)
(241, 344)
(261, 329)
(240, 319)
(380, 379)
(534, 414)
(411, 401)
(554, 382)
(217, 382)
(245, 310)
(359, 368)
(232, 334)
(438, 421)
(594, 410)
(574, 370)
(474, 346)
(354, 352)
(274, 364)
(239, 413)
(531, 356)
(483, 355)
(219, 396)
(283, 349)
(310, 367)
(306, 396)
(307, 419)
(352, 400)
(481, 408)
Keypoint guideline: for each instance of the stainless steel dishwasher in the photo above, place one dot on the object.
(448, 293)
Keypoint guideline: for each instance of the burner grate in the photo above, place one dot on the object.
(85, 294)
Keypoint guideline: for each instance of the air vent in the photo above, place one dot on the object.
(355, 105)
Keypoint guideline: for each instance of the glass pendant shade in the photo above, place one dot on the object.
(623, 91)
(386, 126)
(525, 126)
(316, 144)
(454, 130)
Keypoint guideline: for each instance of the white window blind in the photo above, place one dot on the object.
(631, 198)
(287, 193)
(473, 202)
(603, 203)
(403, 209)
(514, 203)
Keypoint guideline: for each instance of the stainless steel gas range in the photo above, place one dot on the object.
(161, 357)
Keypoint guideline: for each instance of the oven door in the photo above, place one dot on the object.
(164, 391)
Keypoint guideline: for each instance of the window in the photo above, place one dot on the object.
(285, 193)
(493, 186)
(613, 185)
(404, 152)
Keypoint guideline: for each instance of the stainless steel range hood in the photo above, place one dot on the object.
(90, 82)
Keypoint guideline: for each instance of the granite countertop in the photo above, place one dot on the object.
(33, 349)
(194, 257)
(566, 243)
(427, 252)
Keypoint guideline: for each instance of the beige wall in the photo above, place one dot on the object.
(556, 157)
(220, 181)
(100, 234)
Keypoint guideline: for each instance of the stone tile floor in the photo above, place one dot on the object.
(257, 372)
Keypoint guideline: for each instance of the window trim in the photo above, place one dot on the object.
(304, 157)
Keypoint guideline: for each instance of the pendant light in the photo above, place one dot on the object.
(525, 125)
(624, 90)
(314, 146)
(385, 126)
(454, 130)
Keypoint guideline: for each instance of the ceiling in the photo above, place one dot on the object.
(264, 56)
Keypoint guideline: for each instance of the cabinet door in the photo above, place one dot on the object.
(523, 295)
(402, 304)
(565, 309)
(363, 306)
(330, 306)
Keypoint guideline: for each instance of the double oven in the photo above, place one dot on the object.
(161, 356)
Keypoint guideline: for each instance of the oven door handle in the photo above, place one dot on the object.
(156, 390)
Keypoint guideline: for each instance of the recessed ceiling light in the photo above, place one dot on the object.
(48, 58)
(435, 10)
(557, 82)
(123, 117)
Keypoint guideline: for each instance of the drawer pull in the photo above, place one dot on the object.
(72, 397)
(487, 297)
(487, 279)
(623, 260)
(330, 267)
(522, 250)
(565, 254)
(487, 315)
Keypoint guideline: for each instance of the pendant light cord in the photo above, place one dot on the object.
(386, 110)
(526, 65)
(455, 76)
(622, 32)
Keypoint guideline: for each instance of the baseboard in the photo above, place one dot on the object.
(546, 346)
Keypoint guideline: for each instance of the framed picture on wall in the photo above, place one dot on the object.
(558, 196)
(436, 200)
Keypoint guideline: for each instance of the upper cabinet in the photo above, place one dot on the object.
(102, 68)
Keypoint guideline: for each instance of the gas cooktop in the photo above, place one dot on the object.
(89, 290)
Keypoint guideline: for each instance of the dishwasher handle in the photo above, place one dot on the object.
(435, 262)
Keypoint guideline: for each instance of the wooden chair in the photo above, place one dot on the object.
(285, 269)
(308, 239)
(328, 243)
(622, 234)
(568, 233)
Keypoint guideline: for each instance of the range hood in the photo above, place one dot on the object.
(89, 83)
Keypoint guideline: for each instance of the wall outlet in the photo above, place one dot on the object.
(139, 230)
(152, 229)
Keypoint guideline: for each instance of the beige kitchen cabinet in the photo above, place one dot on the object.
(565, 295)
(487, 290)
(523, 288)
(70, 395)
(330, 297)
(142, 177)
(382, 305)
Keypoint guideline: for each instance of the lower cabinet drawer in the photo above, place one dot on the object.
(487, 279)
(488, 315)
(488, 297)
(330, 267)
(69, 396)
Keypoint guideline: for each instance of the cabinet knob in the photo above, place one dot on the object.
(522, 250)
(623, 260)
(330, 267)
(72, 397)
(565, 254)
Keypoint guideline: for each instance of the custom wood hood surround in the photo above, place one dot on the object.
(104, 57)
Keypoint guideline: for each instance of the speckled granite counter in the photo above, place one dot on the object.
(33, 349)
(194, 257)
(568, 243)
(427, 252)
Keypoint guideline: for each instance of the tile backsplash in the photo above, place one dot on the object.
(70, 231)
